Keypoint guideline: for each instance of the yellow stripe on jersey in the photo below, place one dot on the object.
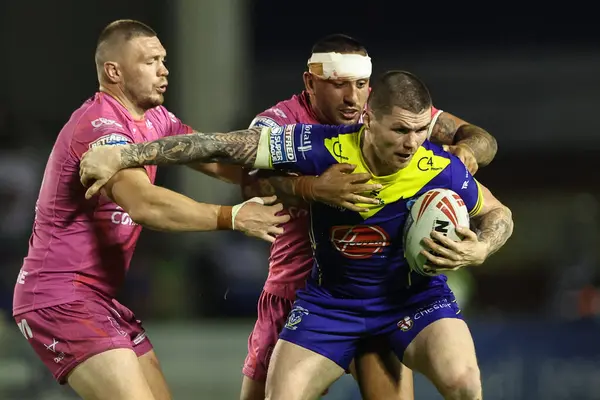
(479, 203)
(403, 184)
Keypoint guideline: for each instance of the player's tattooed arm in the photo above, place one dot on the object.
(269, 183)
(494, 227)
(451, 130)
(238, 147)
(483, 145)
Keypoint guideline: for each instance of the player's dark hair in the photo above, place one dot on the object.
(338, 43)
(398, 89)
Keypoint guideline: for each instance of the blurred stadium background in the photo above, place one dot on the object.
(531, 79)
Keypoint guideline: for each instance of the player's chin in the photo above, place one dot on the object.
(156, 100)
(346, 121)
(401, 161)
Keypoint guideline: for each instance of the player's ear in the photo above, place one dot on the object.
(367, 118)
(309, 82)
(112, 72)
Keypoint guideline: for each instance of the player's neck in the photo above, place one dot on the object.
(371, 158)
(136, 112)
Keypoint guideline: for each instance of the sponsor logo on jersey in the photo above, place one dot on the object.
(112, 139)
(97, 123)
(288, 142)
(264, 121)
(305, 142)
(360, 241)
(282, 144)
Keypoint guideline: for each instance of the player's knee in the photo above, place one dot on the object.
(462, 384)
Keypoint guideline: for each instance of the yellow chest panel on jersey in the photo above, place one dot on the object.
(424, 166)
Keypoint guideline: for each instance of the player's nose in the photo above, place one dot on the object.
(351, 95)
(411, 142)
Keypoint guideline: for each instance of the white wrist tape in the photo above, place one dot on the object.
(236, 209)
(341, 66)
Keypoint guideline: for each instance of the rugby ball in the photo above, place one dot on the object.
(440, 210)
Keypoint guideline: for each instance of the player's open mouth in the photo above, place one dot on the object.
(162, 88)
(403, 156)
(349, 113)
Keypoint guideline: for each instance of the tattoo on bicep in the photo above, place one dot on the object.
(443, 131)
(238, 147)
(495, 227)
(483, 145)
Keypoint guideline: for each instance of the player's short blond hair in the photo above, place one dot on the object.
(119, 31)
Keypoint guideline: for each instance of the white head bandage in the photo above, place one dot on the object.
(340, 66)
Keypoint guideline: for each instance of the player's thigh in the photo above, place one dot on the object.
(445, 353)
(252, 389)
(315, 347)
(112, 375)
(154, 375)
(272, 313)
(380, 374)
(297, 373)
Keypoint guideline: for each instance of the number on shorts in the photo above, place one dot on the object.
(25, 329)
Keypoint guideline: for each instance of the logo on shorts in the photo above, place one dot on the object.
(405, 324)
(52, 348)
(117, 326)
(359, 241)
(436, 306)
(25, 329)
(295, 317)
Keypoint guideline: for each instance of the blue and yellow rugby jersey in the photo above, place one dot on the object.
(360, 255)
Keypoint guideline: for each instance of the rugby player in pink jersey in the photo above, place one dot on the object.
(80, 250)
(336, 90)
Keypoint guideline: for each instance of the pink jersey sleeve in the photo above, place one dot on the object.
(273, 117)
(92, 130)
(168, 124)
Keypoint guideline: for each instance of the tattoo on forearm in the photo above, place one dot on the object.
(444, 130)
(483, 145)
(284, 187)
(495, 227)
(237, 147)
(283, 184)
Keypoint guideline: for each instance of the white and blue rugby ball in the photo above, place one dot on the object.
(440, 210)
